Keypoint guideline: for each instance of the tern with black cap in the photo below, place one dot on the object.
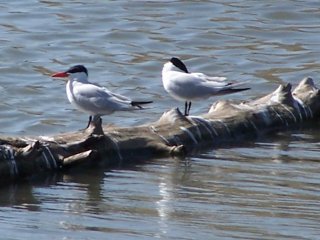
(186, 86)
(92, 98)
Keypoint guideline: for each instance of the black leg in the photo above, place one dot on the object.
(90, 119)
(189, 107)
(186, 108)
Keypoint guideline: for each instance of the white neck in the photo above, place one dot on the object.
(167, 67)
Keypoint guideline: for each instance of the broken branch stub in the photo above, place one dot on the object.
(172, 135)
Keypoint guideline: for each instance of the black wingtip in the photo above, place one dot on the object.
(233, 90)
(138, 103)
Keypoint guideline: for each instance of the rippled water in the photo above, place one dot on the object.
(266, 189)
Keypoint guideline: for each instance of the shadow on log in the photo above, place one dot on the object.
(172, 135)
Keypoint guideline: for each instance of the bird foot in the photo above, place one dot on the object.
(95, 126)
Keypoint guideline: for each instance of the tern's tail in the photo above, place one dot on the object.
(233, 90)
(138, 103)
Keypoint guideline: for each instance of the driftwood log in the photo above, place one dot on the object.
(172, 135)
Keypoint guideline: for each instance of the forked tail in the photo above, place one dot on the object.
(232, 90)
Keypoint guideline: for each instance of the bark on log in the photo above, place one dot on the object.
(172, 135)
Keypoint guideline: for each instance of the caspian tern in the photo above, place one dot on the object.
(92, 98)
(186, 86)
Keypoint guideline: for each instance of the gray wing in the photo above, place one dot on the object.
(98, 99)
(208, 78)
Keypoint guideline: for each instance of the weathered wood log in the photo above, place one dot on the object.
(172, 135)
